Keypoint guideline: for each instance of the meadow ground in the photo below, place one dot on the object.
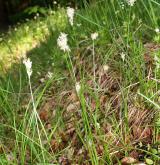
(91, 94)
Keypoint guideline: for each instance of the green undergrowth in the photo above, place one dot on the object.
(116, 111)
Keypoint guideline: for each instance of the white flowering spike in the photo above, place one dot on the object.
(123, 56)
(98, 125)
(122, 5)
(105, 68)
(94, 36)
(49, 75)
(62, 42)
(55, 2)
(78, 87)
(131, 2)
(70, 14)
(157, 30)
(28, 64)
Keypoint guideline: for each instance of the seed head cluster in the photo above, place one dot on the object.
(131, 2)
(94, 36)
(28, 64)
(62, 42)
(70, 14)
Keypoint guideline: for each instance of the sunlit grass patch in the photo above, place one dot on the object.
(26, 36)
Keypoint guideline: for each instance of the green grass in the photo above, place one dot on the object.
(114, 112)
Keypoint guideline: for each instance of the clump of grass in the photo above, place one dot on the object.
(99, 103)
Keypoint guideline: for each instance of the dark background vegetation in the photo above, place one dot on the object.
(12, 11)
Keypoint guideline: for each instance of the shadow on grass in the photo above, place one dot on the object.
(45, 58)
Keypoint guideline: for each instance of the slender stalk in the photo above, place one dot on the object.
(94, 65)
(35, 115)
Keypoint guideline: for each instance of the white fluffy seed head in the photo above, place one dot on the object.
(62, 42)
(131, 2)
(49, 75)
(157, 30)
(123, 56)
(105, 68)
(78, 87)
(70, 14)
(98, 125)
(94, 36)
(28, 64)
(55, 2)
